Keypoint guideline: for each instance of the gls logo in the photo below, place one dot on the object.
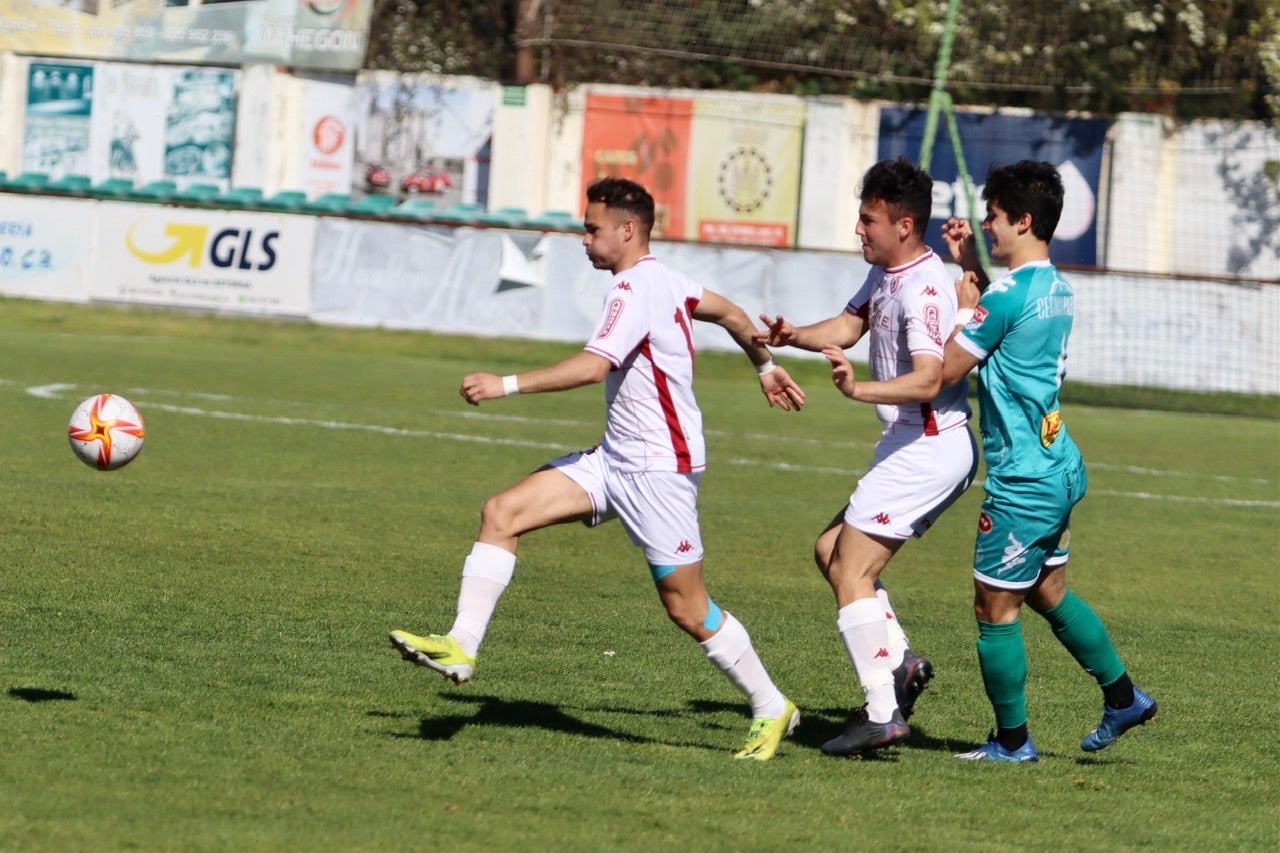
(229, 247)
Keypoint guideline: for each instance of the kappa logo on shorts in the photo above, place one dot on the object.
(883, 653)
(882, 518)
(684, 547)
(984, 523)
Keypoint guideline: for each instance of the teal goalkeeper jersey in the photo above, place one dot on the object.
(1019, 334)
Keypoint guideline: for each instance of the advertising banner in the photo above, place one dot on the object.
(746, 187)
(46, 247)
(1074, 145)
(424, 135)
(235, 261)
(646, 139)
(329, 144)
(55, 136)
(314, 34)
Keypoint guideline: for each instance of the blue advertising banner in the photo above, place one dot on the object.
(1074, 145)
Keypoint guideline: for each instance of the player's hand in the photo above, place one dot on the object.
(781, 390)
(958, 235)
(841, 370)
(481, 386)
(778, 332)
(967, 290)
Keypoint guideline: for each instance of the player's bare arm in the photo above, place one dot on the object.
(920, 385)
(957, 361)
(579, 369)
(962, 243)
(843, 330)
(776, 384)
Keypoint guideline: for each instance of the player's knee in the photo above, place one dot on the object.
(497, 516)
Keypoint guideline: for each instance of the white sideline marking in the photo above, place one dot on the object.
(57, 390)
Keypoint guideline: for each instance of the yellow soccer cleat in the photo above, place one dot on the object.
(767, 732)
(438, 652)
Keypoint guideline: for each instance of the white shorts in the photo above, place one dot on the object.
(658, 509)
(913, 478)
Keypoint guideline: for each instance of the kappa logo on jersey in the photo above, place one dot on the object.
(984, 523)
(684, 547)
(882, 518)
(933, 323)
(929, 290)
(612, 313)
(623, 285)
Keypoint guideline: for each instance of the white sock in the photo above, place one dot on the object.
(485, 575)
(730, 649)
(898, 643)
(864, 630)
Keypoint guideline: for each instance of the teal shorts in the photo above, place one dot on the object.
(1024, 527)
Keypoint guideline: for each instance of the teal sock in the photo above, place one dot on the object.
(1079, 629)
(1003, 660)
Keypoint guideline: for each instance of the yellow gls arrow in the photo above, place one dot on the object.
(188, 240)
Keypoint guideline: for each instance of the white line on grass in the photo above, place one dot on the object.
(58, 390)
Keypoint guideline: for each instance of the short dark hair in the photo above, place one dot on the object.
(1031, 187)
(905, 189)
(623, 194)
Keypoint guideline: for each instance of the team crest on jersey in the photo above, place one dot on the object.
(1050, 426)
(893, 284)
(933, 324)
(984, 523)
(612, 312)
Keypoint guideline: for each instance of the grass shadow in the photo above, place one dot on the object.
(39, 694)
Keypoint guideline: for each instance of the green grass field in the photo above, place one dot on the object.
(194, 656)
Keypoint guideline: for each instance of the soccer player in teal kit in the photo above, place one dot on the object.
(1015, 331)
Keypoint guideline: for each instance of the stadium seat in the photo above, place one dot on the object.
(329, 203)
(374, 204)
(112, 188)
(197, 193)
(70, 185)
(561, 220)
(461, 213)
(240, 197)
(28, 182)
(285, 200)
(414, 208)
(154, 191)
(509, 217)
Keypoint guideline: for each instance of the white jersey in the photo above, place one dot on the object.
(653, 422)
(910, 310)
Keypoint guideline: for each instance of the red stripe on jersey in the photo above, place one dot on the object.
(684, 461)
(930, 419)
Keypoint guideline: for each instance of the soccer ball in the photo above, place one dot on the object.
(106, 431)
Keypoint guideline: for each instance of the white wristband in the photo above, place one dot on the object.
(963, 316)
(510, 385)
(767, 367)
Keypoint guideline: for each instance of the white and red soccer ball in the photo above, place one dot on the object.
(106, 432)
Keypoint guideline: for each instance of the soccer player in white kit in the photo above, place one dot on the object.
(645, 471)
(926, 456)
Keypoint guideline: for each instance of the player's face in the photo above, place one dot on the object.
(1001, 231)
(604, 233)
(880, 235)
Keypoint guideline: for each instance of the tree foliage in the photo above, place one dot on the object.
(1189, 58)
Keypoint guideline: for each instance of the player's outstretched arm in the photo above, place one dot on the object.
(583, 368)
(844, 330)
(778, 386)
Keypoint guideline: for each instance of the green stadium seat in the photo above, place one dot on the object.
(241, 197)
(70, 185)
(461, 213)
(197, 193)
(509, 217)
(414, 208)
(374, 204)
(28, 181)
(558, 220)
(285, 200)
(154, 191)
(112, 188)
(329, 203)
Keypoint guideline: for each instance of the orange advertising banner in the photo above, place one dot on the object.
(645, 139)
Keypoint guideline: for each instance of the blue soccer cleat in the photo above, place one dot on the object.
(1117, 721)
(993, 751)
